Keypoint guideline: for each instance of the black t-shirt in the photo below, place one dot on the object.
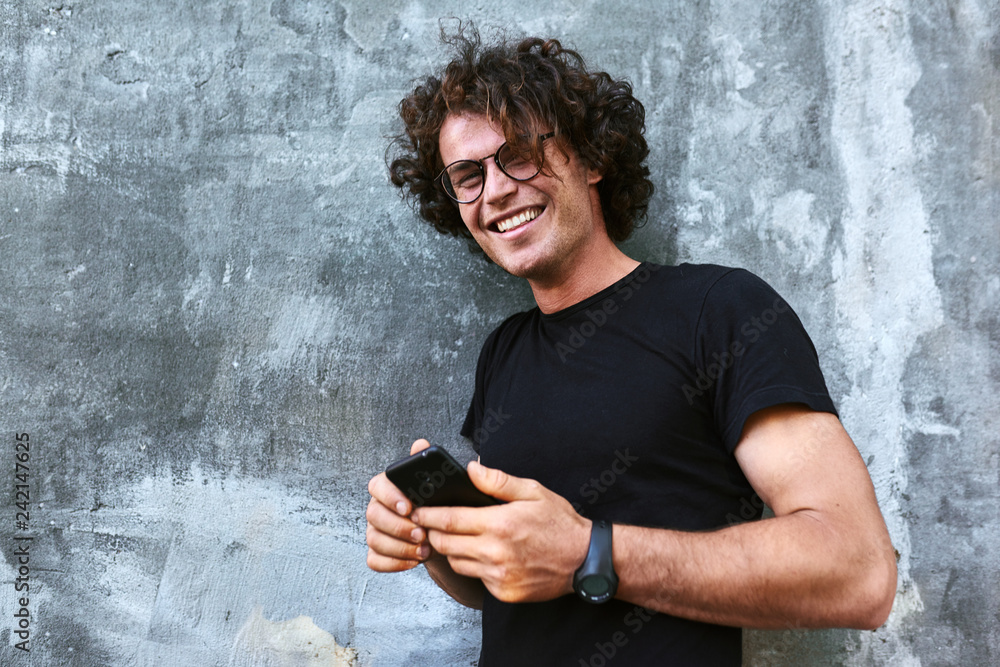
(630, 404)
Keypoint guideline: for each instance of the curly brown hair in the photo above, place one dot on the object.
(523, 88)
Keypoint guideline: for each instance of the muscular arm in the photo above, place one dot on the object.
(824, 560)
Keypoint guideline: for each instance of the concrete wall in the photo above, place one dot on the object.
(217, 320)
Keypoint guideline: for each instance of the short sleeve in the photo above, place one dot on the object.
(753, 353)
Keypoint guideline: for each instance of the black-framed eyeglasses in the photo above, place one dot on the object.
(464, 180)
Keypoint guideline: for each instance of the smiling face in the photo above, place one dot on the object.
(540, 229)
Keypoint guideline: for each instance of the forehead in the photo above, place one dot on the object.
(468, 137)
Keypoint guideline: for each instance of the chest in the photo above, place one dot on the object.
(608, 426)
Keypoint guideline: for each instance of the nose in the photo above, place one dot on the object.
(498, 185)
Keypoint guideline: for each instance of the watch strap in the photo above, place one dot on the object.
(599, 563)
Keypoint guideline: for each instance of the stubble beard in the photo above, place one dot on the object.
(548, 262)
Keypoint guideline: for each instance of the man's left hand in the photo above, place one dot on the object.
(525, 550)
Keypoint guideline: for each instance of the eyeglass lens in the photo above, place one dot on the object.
(464, 180)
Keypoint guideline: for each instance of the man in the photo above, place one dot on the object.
(637, 420)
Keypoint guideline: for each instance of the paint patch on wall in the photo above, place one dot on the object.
(297, 642)
(794, 230)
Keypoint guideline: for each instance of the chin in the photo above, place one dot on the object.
(529, 270)
(534, 262)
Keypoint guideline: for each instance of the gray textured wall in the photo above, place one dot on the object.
(217, 320)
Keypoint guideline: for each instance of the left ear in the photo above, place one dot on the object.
(594, 176)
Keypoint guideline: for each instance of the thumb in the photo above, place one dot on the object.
(500, 485)
(419, 446)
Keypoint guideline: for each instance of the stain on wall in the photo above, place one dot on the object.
(218, 320)
(294, 643)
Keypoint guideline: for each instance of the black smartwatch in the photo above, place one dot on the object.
(596, 582)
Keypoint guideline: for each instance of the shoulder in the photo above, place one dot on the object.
(714, 279)
(730, 279)
(729, 303)
(695, 285)
(508, 332)
(692, 278)
(729, 291)
(513, 324)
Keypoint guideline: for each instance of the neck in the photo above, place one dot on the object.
(601, 268)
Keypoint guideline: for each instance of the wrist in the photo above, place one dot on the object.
(580, 545)
(595, 581)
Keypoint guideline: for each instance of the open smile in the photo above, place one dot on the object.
(516, 221)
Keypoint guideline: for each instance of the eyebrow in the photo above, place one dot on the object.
(541, 136)
(482, 159)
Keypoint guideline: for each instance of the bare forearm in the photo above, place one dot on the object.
(776, 573)
(466, 590)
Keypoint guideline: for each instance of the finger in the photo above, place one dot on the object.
(419, 446)
(380, 563)
(502, 486)
(387, 493)
(388, 546)
(468, 547)
(467, 567)
(386, 521)
(455, 520)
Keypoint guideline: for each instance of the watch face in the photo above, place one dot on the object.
(595, 586)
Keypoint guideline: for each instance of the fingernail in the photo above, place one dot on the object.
(417, 535)
(423, 551)
(401, 507)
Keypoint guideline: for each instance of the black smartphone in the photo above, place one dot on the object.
(433, 477)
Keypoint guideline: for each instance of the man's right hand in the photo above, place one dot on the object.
(394, 542)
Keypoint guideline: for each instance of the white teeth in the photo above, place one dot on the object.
(518, 220)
